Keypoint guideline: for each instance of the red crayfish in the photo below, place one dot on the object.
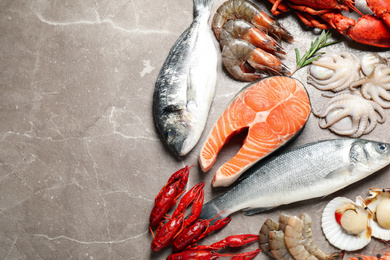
(168, 195)
(326, 14)
(166, 233)
(208, 252)
(183, 232)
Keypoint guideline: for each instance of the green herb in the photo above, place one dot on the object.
(312, 54)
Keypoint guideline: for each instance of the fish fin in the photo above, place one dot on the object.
(210, 210)
(340, 172)
(254, 211)
(191, 93)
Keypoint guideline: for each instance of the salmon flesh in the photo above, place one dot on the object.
(274, 110)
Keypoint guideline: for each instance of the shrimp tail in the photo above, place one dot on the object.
(336, 255)
(262, 60)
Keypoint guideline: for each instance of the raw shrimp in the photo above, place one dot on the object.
(277, 244)
(278, 247)
(307, 237)
(269, 225)
(283, 220)
(243, 9)
(294, 240)
(237, 54)
(241, 29)
(299, 241)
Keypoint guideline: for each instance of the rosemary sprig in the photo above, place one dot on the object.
(312, 54)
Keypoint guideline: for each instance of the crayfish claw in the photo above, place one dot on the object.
(239, 240)
(246, 255)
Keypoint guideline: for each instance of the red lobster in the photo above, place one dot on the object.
(165, 234)
(326, 14)
(168, 195)
(208, 252)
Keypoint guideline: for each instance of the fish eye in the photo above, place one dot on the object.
(171, 133)
(382, 147)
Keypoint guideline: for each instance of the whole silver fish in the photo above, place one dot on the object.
(310, 171)
(186, 84)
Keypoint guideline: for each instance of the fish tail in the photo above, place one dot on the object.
(202, 5)
(210, 210)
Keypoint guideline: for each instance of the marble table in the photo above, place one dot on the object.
(80, 158)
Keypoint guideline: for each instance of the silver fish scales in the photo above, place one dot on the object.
(311, 171)
(185, 86)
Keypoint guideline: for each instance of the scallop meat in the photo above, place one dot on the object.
(379, 203)
(346, 224)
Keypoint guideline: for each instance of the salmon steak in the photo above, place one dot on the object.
(273, 110)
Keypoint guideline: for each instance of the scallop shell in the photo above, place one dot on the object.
(381, 198)
(336, 234)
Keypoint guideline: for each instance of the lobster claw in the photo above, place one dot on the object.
(368, 30)
(372, 31)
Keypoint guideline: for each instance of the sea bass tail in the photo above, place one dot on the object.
(200, 5)
(210, 210)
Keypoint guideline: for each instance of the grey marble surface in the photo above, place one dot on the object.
(80, 158)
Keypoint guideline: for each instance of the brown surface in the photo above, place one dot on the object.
(80, 158)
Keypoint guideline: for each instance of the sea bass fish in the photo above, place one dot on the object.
(274, 110)
(185, 87)
(310, 171)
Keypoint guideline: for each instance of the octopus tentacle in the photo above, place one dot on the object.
(363, 115)
(372, 122)
(360, 126)
(376, 85)
(346, 132)
(336, 118)
(380, 111)
(366, 90)
(334, 72)
(328, 84)
(326, 110)
(354, 85)
(381, 96)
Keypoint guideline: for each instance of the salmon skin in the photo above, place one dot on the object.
(185, 86)
(273, 109)
(310, 171)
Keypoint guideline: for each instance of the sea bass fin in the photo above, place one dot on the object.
(340, 172)
(254, 211)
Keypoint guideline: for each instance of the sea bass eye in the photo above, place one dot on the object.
(382, 148)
